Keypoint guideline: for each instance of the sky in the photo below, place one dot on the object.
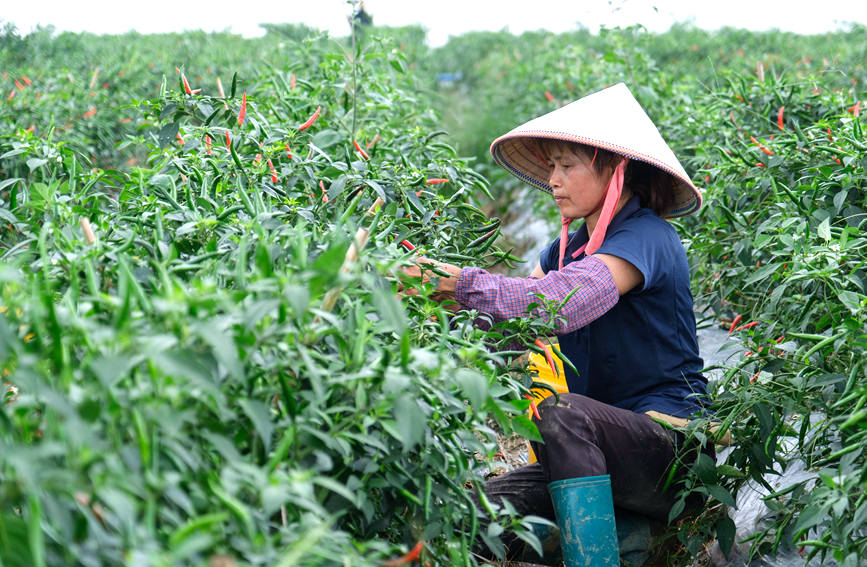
(441, 17)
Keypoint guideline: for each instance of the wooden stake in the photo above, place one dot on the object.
(222, 93)
(87, 230)
(93, 78)
(362, 235)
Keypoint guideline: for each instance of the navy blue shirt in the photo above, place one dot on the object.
(643, 353)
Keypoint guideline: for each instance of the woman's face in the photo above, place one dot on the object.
(577, 188)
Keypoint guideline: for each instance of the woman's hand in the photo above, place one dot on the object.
(444, 276)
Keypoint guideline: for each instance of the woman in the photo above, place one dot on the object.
(629, 328)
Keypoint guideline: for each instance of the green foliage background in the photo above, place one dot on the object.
(180, 392)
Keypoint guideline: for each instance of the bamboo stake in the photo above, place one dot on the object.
(362, 235)
(93, 78)
(87, 230)
(222, 93)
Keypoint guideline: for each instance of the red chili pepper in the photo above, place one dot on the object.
(11, 95)
(288, 151)
(735, 323)
(756, 375)
(436, 181)
(311, 120)
(178, 70)
(747, 326)
(854, 109)
(550, 357)
(533, 406)
(243, 112)
(258, 159)
(19, 85)
(761, 147)
(360, 150)
(292, 81)
(228, 140)
(324, 194)
(180, 139)
(550, 97)
(780, 117)
(410, 556)
(26, 80)
(186, 84)
(760, 164)
(208, 144)
(830, 137)
(273, 171)
(406, 244)
(90, 112)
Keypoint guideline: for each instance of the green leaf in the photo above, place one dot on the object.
(222, 345)
(15, 152)
(762, 273)
(840, 198)
(410, 420)
(380, 192)
(824, 230)
(473, 385)
(809, 517)
(850, 300)
(390, 310)
(721, 494)
(36, 163)
(725, 534)
(110, 369)
(326, 138)
(167, 133)
(7, 215)
(7, 182)
(14, 551)
(328, 263)
(337, 187)
(260, 414)
(729, 471)
(337, 488)
(524, 426)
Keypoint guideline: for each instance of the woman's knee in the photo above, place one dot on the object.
(565, 410)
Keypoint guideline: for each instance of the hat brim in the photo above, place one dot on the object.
(611, 120)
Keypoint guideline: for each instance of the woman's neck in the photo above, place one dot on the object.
(593, 218)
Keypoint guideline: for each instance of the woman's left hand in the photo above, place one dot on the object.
(431, 270)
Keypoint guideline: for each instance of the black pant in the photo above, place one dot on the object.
(584, 437)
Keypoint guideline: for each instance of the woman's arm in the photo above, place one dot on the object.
(537, 273)
(626, 276)
(585, 289)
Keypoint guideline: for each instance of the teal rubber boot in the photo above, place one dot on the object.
(585, 513)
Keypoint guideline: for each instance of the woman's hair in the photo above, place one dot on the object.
(654, 187)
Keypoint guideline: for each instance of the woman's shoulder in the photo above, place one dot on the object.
(646, 224)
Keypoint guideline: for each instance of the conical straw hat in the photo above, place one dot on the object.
(610, 119)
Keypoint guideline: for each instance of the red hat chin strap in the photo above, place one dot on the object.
(612, 197)
(564, 237)
(609, 206)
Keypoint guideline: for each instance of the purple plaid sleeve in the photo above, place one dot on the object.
(508, 298)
